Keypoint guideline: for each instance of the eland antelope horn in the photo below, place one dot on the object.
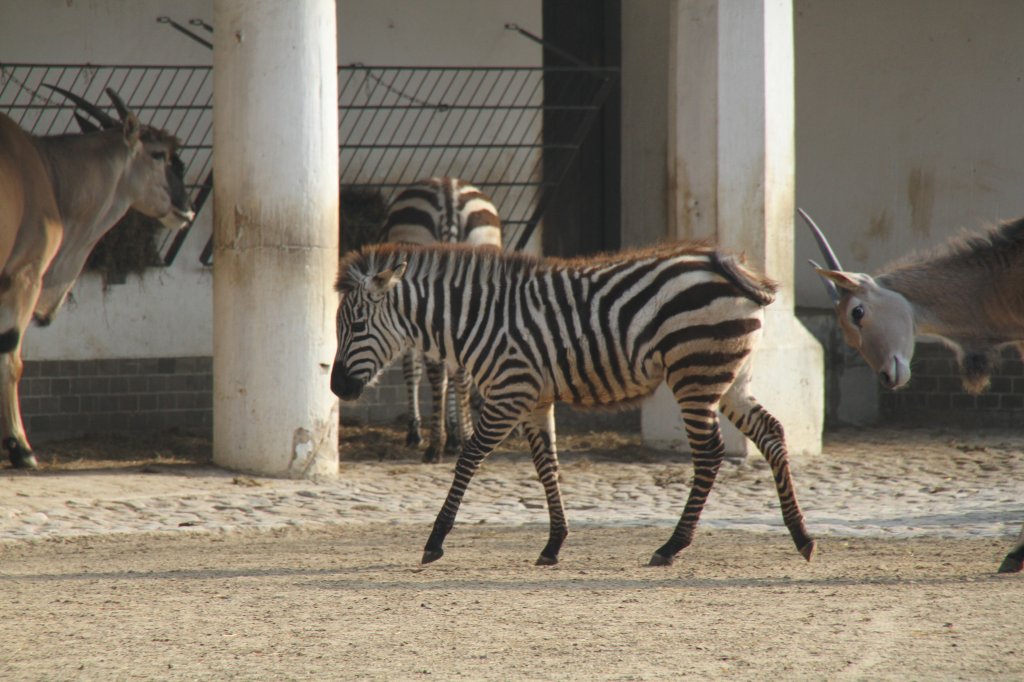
(85, 125)
(830, 287)
(105, 119)
(828, 253)
(119, 104)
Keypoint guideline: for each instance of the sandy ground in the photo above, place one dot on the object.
(354, 604)
(352, 601)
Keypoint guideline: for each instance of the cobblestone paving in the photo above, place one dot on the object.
(880, 484)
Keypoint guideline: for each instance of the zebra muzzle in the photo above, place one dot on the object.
(344, 386)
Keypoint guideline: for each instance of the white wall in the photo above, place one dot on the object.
(168, 311)
(908, 124)
(438, 32)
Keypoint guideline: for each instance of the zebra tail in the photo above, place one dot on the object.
(756, 287)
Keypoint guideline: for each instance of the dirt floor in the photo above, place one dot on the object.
(354, 604)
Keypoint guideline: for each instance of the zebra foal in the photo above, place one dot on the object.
(593, 332)
(440, 209)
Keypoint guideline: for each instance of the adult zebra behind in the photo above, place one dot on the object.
(440, 210)
(593, 332)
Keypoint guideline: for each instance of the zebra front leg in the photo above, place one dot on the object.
(540, 432)
(494, 426)
(708, 451)
(412, 372)
(437, 373)
(766, 432)
(1014, 561)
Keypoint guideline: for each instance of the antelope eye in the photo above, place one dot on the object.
(159, 156)
(857, 314)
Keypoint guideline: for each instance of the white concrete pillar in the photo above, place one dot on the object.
(731, 128)
(275, 236)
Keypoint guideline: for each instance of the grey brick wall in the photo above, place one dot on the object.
(935, 395)
(63, 398)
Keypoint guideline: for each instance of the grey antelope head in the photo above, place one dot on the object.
(154, 172)
(876, 321)
(141, 170)
(368, 336)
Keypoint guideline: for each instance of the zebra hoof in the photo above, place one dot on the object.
(431, 456)
(1011, 565)
(543, 560)
(431, 555)
(659, 560)
(412, 440)
(21, 458)
(807, 551)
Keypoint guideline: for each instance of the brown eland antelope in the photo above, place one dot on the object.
(58, 196)
(969, 295)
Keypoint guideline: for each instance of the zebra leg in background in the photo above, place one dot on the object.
(1014, 561)
(705, 438)
(766, 432)
(437, 374)
(540, 432)
(496, 422)
(412, 372)
(459, 407)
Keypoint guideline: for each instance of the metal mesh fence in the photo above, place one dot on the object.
(396, 124)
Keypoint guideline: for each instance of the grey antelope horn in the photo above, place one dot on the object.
(828, 253)
(105, 119)
(119, 104)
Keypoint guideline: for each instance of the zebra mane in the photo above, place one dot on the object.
(357, 267)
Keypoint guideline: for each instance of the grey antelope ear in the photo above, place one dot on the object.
(385, 281)
(847, 281)
(828, 253)
(132, 129)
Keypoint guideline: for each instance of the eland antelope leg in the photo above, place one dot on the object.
(19, 297)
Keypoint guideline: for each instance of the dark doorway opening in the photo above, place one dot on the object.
(584, 214)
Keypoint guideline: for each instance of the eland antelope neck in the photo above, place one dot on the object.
(968, 294)
(594, 332)
(440, 210)
(58, 196)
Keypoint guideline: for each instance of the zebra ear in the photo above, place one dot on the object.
(385, 281)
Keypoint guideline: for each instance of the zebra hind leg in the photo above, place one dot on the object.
(412, 372)
(540, 432)
(460, 423)
(708, 448)
(452, 443)
(766, 432)
(437, 373)
(1014, 561)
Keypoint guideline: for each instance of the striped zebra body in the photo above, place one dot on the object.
(593, 332)
(440, 210)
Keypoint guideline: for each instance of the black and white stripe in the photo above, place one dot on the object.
(593, 332)
(440, 210)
